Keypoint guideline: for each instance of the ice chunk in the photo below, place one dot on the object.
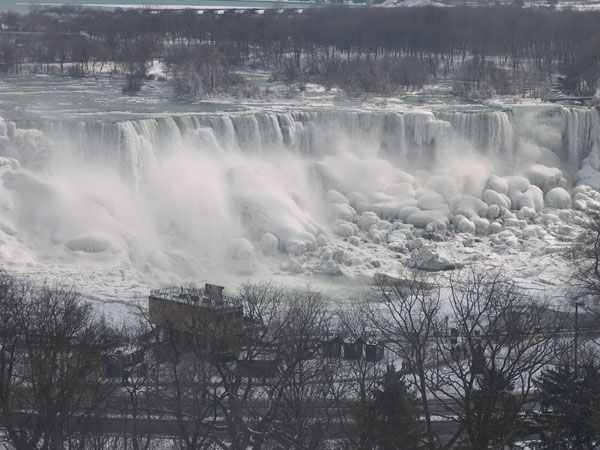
(495, 227)
(522, 193)
(430, 259)
(464, 225)
(526, 213)
(544, 177)
(558, 198)
(482, 225)
(469, 206)
(496, 198)
(430, 200)
(421, 219)
(497, 184)
(367, 219)
(494, 211)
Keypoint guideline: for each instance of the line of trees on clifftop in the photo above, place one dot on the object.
(507, 48)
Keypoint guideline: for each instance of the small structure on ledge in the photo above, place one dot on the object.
(356, 349)
(198, 320)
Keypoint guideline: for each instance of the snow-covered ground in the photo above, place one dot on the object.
(122, 194)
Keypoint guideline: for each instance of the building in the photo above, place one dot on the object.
(198, 320)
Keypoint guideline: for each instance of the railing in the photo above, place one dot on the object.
(193, 296)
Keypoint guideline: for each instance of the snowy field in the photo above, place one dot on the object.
(121, 194)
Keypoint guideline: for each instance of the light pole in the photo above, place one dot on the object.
(577, 305)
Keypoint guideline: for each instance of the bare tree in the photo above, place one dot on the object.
(252, 384)
(408, 318)
(186, 386)
(504, 338)
(355, 383)
(584, 255)
(300, 419)
(51, 364)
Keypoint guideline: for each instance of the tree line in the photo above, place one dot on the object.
(466, 371)
(504, 48)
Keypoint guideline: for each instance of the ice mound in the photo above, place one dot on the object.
(343, 228)
(367, 219)
(498, 184)
(545, 178)
(269, 209)
(421, 219)
(430, 200)
(523, 193)
(558, 198)
(369, 184)
(469, 206)
(499, 199)
(339, 206)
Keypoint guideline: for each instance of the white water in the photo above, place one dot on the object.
(192, 197)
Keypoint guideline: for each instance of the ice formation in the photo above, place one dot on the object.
(307, 191)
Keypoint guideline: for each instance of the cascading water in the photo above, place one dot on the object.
(197, 193)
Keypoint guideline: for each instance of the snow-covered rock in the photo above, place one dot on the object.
(430, 259)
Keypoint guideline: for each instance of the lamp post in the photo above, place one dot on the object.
(577, 305)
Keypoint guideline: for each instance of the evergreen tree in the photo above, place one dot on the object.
(570, 407)
(396, 415)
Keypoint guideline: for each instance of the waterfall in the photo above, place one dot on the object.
(183, 191)
(490, 131)
(129, 145)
